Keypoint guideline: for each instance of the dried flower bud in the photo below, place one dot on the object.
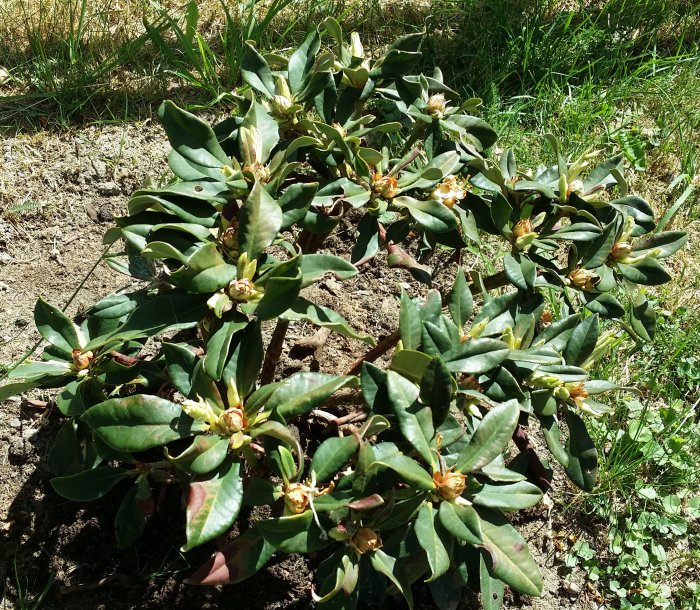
(620, 251)
(576, 186)
(81, 360)
(437, 106)
(577, 392)
(522, 227)
(448, 192)
(229, 238)
(385, 186)
(451, 484)
(583, 278)
(546, 317)
(366, 540)
(296, 498)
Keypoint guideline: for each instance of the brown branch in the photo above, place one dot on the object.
(123, 358)
(378, 350)
(274, 352)
(538, 473)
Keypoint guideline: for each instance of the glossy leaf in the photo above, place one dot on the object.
(55, 327)
(139, 422)
(427, 532)
(213, 504)
(490, 437)
(332, 455)
(476, 356)
(89, 484)
(304, 391)
(260, 220)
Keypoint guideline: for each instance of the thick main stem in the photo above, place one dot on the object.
(274, 351)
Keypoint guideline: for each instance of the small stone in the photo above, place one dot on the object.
(108, 189)
(105, 214)
(29, 433)
(15, 423)
(17, 450)
(91, 212)
(571, 588)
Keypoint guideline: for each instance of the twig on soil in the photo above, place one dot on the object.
(115, 580)
(378, 350)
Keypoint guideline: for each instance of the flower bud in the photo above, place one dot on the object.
(81, 360)
(241, 290)
(620, 251)
(231, 421)
(437, 106)
(562, 393)
(451, 484)
(543, 380)
(522, 227)
(280, 105)
(356, 48)
(366, 540)
(296, 498)
(583, 278)
(448, 192)
(546, 317)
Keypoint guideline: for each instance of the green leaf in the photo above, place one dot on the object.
(661, 244)
(476, 356)
(316, 266)
(416, 427)
(438, 387)
(460, 301)
(427, 531)
(55, 327)
(408, 469)
(430, 214)
(139, 422)
(282, 284)
(235, 561)
(461, 521)
(511, 560)
(302, 61)
(246, 360)
(205, 271)
(295, 534)
(583, 456)
(302, 309)
(130, 519)
(331, 455)
(511, 496)
(410, 323)
(295, 202)
(219, 344)
(643, 317)
(66, 455)
(648, 272)
(260, 220)
(256, 72)
(410, 364)
(279, 431)
(491, 588)
(490, 438)
(206, 453)
(303, 391)
(89, 484)
(180, 362)
(521, 271)
(367, 240)
(193, 140)
(166, 312)
(389, 567)
(582, 341)
(213, 504)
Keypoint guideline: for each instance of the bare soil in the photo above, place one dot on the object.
(58, 195)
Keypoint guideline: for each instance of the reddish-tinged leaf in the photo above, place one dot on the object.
(367, 503)
(235, 562)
